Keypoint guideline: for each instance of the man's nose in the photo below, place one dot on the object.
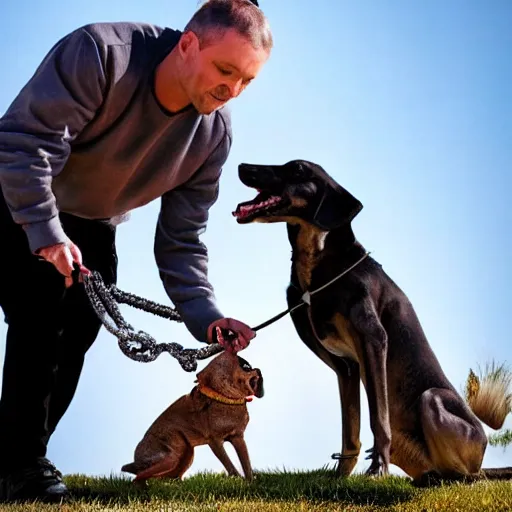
(237, 88)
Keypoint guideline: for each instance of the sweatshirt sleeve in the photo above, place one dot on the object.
(35, 133)
(181, 256)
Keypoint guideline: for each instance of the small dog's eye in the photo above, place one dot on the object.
(244, 364)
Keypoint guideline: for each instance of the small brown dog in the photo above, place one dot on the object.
(214, 411)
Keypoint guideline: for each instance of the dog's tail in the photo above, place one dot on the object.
(489, 395)
(130, 468)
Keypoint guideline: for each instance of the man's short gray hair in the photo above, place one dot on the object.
(215, 17)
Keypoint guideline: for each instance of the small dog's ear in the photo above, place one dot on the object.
(336, 208)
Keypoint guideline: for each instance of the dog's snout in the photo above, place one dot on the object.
(246, 170)
(248, 175)
(261, 177)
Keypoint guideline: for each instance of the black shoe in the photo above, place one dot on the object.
(40, 480)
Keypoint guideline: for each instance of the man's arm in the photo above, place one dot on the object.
(181, 257)
(54, 106)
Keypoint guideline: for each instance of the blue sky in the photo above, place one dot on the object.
(408, 106)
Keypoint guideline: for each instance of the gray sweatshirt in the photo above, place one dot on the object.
(87, 136)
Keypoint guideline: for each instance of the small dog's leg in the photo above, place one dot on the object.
(168, 463)
(184, 464)
(158, 469)
(374, 346)
(220, 452)
(240, 446)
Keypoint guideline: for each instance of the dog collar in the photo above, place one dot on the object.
(218, 397)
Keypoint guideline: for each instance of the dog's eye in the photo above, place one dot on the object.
(244, 364)
(298, 172)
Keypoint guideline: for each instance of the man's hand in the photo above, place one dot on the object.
(242, 334)
(62, 256)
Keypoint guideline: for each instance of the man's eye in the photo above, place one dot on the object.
(223, 71)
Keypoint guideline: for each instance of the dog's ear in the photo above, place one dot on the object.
(293, 232)
(335, 208)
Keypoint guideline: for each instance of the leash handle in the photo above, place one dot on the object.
(77, 271)
(75, 274)
(227, 334)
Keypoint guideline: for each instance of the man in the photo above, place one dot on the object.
(115, 116)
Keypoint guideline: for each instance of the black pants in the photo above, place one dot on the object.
(50, 329)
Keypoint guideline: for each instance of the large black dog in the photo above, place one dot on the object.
(363, 326)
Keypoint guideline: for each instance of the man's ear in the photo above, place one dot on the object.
(335, 208)
(188, 44)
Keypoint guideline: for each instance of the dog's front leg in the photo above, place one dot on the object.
(373, 339)
(240, 447)
(348, 375)
(349, 387)
(218, 449)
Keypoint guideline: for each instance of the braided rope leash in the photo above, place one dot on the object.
(139, 345)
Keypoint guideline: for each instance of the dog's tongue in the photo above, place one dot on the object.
(246, 209)
(249, 398)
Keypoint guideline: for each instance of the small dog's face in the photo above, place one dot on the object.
(298, 191)
(232, 376)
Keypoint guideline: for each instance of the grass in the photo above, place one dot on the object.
(275, 491)
(502, 439)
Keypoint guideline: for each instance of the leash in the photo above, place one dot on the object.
(142, 347)
(139, 345)
(306, 297)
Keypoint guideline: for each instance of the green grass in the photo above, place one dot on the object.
(275, 491)
(501, 438)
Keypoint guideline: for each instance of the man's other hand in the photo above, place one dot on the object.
(62, 256)
(230, 333)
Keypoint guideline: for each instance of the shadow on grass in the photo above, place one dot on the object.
(313, 486)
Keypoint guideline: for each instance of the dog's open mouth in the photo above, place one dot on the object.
(256, 384)
(263, 204)
(253, 382)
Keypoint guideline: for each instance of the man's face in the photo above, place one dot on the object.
(220, 71)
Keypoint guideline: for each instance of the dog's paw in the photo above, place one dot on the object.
(428, 479)
(140, 484)
(378, 468)
(378, 471)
